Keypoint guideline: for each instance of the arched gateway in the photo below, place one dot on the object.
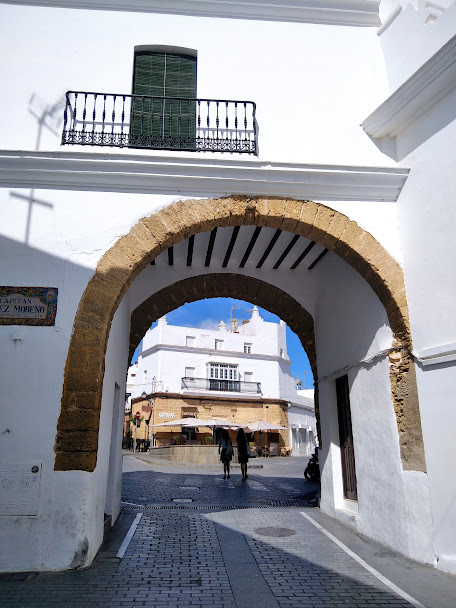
(77, 433)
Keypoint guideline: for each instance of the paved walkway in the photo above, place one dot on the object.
(222, 551)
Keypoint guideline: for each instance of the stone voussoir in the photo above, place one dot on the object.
(75, 461)
(77, 441)
(261, 211)
(114, 260)
(79, 420)
(84, 358)
(334, 230)
(228, 211)
(308, 214)
(293, 211)
(80, 400)
(276, 212)
(203, 216)
(140, 233)
(135, 250)
(321, 222)
(164, 235)
(84, 380)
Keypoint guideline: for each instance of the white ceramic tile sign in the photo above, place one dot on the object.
(19, 488)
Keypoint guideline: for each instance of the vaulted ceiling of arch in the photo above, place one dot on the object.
(239, 247)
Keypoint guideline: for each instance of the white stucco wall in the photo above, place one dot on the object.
(427, 219)
(165, 357)
(414, 34)
(311, 101)
(302, 423)
(278, 65)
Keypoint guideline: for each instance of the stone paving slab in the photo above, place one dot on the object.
(255, 558)
(162, 488)
(234, 556)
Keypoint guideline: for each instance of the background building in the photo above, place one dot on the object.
(240, 374)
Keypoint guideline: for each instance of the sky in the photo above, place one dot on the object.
(208, 313)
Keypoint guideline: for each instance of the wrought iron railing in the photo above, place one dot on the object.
(159, 123)
(210, 384)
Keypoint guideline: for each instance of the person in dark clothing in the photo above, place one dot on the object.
(243, 452)
(226, 452)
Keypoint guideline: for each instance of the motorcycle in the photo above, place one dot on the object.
(312, 470)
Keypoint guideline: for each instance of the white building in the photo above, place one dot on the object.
(301, 420)
(245, 362)
(345, 231)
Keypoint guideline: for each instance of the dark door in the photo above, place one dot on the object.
(346, 439)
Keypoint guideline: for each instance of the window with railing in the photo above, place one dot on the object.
(197, 385)
(223, 377)
(163, 111)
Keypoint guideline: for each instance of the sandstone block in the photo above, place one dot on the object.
(334, 230)
(276, 212)
(81, 400)
(85, 380)
(321, 223)
(292, 215)
(79, 420)
(308, 214)
(77, 441)
(164, 235)
(75, 461)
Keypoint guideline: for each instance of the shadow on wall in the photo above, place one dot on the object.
(31, 373)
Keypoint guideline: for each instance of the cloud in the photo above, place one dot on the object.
(209, 323)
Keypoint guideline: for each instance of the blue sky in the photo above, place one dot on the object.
(209, 313)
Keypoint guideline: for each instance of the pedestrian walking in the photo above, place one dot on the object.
(243, 452)
(226, 452)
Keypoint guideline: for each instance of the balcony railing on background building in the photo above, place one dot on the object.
(231, 386)
(159, 123)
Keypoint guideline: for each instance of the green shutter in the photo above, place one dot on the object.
(164, 75)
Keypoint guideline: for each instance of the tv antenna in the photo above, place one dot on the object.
(233, 320)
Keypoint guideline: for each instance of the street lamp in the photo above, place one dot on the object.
(151, 440)
(137, 415)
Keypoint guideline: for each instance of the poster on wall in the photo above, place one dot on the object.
(28, 305)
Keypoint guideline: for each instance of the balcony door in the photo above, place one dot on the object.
(165, 113)
(223, 377)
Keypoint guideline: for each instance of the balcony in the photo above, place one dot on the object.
(228, 386)
(160, 123)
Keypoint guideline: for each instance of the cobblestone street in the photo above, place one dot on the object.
(204, 541)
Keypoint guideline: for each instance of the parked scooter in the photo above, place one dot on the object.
(312, 470)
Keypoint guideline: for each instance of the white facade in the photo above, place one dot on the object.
(316, 75)
(256, 352)
(301, 420)
(247, 361)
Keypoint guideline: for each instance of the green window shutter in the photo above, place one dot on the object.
(167, 75)
(180, 76)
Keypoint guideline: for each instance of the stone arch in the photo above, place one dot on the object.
(77, 430)
(247, 288)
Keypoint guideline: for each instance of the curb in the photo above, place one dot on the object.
(149, 460)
